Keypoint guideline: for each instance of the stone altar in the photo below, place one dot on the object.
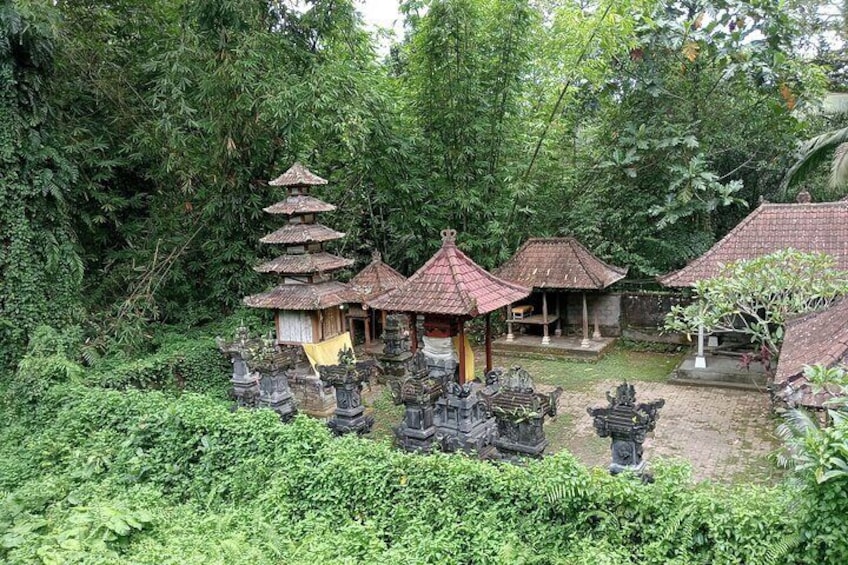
(346, 378)
(627, 423)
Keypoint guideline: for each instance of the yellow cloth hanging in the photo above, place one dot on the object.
(327, 352)
(469, 357)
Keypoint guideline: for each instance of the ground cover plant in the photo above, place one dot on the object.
(91, 474)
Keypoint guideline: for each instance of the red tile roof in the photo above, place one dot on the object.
(301, 204)
(297, 175)
(376, 279)
(303, 296)
(821, 227)
(818, 337)
(558, 263)
(304, 263)
(293, 234)
(450, 284)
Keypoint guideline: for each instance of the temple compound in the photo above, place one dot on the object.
(307, 302)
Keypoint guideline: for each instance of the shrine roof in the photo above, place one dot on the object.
(293, 234)
(303, 296)
(450, 283)
(297, 175)
(300, 204)
(820, 227)
(559, 263)
(377, 278)
(818, 337)
(304, 263)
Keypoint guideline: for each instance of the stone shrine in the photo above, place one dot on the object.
(396, 356)
(627, 423)
(346, 377)
(417, 391)
(519, 413)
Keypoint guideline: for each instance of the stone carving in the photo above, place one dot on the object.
(627, 423)
(396, 356)
(260, 370)
(346, 378)
(519, 412)
(417, 392)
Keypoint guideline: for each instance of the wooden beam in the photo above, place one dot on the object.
(585, 342)
(546, 339)
(461, 351)
(488, 342)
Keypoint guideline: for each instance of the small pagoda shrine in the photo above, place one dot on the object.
(374, 280)
(307, 302)
(449, 290)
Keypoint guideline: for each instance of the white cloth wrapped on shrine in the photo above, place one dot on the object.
(439, 348)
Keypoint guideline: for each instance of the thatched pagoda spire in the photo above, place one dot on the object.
(307, 299)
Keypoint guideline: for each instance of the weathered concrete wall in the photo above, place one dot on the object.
(608, 308)
(643, 315)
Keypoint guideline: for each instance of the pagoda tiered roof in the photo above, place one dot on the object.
(304, 263)
(295, 234)
(316, 296)
(298, 175)
(376, 279)
(300, 204)
(559, 263)
(450, 283)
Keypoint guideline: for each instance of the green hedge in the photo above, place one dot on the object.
(99, 475)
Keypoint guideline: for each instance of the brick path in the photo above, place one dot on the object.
(727, 435)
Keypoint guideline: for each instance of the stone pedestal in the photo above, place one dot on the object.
(519, 413)
(418, 394)
(313, 397)
(462, 421)
(627, 424)
(274, 393)
(396, 357)
(347, 377)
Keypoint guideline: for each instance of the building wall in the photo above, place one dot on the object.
(294, 326)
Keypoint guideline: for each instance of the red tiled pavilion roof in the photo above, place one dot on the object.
(303, 263)
(450, 284)
(820, 227)
(300, 204)
(558, 263)
(818, 337)
(297, 175)
(303, 296)
(293, 234)
(376, 279)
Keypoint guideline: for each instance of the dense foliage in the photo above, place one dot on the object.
(100, 476)
(137, 137)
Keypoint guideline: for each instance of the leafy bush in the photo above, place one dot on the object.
(242, 487)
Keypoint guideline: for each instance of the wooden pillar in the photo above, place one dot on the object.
(368, 329)
(461, 352)
(546, 339)
(509, 335)
(413, 333)
(350, 330)
(382, 321)
(488, 342)
(585, 342)
(597, 333)
(558, 330)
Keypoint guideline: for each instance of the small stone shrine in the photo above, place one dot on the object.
(346, 378)
(260, 374)
(417, 392)
(396, 356)
(627, 423)
(462, 420)
(519, 412)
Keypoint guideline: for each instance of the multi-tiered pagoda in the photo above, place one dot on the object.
(307, 301)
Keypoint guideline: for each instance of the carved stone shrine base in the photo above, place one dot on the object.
(312, 396)
(521, 439)
(416, 432)
(463, 425)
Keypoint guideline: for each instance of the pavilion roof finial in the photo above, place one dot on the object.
(448, 237)
(803, 197)
(376, 255)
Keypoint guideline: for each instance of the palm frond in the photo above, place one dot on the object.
(839, 169)
(812, 153)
